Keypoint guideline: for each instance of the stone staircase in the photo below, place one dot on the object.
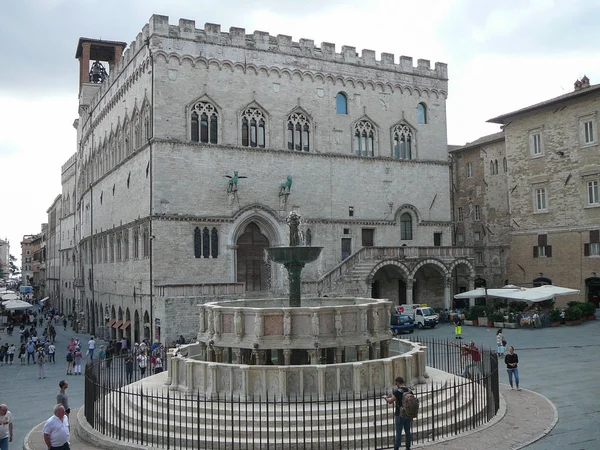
(189, 422)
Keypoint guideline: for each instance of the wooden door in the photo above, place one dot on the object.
(252, 268)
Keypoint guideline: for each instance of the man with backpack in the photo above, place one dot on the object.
(407, 408)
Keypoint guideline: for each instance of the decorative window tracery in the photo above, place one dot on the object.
(253, 128)
(206, 243)
(364, 138)
(403, 140)
(298, 132)
(205, 123)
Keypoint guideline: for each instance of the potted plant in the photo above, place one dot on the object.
(588, 310)
(473, 315)
(510, 321)
(497, 319)
(554, 315)
(572, 315)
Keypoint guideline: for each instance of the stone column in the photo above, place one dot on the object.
(339, 355)
(409, 290)
(385, 349)
(287, 356)
(238, 355)
(447, 295)
(260, 357)
(173, 379)
(170, 360)
(471, 287)
(189, 376)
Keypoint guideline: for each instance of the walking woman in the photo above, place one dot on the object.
(501, 342)
(512, 361)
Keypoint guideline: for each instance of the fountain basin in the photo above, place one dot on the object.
(270, 324)
(287, 255)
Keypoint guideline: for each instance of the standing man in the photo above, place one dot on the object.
(41, 362)
(457, 326)
(129, 368)
(56, 430)
(91, 347)
(62, 398)
(401, 422)
(6, 427)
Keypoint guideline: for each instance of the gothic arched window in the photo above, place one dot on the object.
(364, 138)
(205, 125)
(214, 243)
(205, 243)
(197, 243)
(298, 132)
(403, 140)
(253, 128)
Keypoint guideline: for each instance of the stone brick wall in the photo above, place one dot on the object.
(563, 169)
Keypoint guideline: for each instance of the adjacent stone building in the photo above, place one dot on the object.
(553, 162)
(194, 149)
(481, 213)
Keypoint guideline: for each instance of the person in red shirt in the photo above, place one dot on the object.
(470, 352)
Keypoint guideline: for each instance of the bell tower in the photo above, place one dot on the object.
(97, 51)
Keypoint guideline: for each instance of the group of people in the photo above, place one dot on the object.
(56, 429)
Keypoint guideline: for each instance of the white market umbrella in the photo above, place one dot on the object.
(6, 291)
(479, 292)
(555, 290)
(534, 295)
(9, 296)
(14, 305)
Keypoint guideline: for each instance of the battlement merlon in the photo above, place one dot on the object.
(186, 29)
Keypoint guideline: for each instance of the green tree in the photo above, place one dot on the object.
(14, 270)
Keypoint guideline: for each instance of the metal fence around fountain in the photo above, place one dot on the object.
(159, 418)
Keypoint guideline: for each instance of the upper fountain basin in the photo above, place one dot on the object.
(285, 255)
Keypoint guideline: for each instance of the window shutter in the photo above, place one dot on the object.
(586, 249)
(535, 252)
(548, 251)
(595, 236)
(542, 240)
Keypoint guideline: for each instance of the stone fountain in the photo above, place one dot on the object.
(294, 258)
(293, 348)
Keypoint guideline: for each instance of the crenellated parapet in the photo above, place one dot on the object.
(260, 40)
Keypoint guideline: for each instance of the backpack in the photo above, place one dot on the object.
(69, 357)
(410, 405)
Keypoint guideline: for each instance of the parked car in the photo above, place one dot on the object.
(401, 323)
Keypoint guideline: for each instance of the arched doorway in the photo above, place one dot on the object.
(429, 284)
(389, 282)
(592, 285)
(252, 268)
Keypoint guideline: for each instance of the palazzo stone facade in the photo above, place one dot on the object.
(197, 144)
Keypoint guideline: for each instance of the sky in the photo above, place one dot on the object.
(501, 56)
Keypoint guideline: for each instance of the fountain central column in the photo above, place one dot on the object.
(294, 269)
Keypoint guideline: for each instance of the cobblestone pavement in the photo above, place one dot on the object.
(559, 363)
(555, 363)
(30, 399)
